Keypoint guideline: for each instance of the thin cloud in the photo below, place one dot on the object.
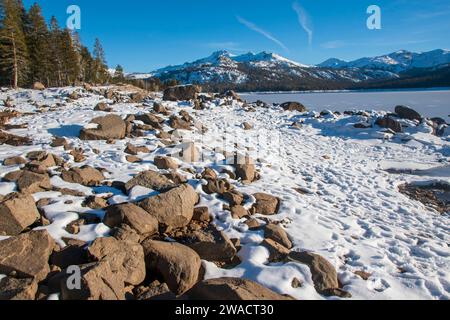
(266, 34)
(304, 20)
(333, 44)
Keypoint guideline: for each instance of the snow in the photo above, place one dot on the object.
(429, 103)
(352, 213)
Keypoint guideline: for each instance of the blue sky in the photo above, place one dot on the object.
(143, 35)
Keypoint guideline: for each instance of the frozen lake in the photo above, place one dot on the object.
(430, 103)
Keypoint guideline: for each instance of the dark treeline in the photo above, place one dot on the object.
(33, 51)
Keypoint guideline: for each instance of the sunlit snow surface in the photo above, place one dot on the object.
(353, 214)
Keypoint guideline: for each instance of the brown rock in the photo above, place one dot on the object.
(293, 106)
(266, 204)
(177, 264)
(126, 258)
(14, 161)
(181, 93)
(84, 175)
(238, 212)
(247, 126)
(13, 140)
(233, 197)
(277, 234)
(389, 123)
(134, 150)
(133, 159)
(173, 208)
(253, 224)
(201, 214)
(156, 291)
(209, 174)
(98, 282)
(211, 244)
(17, 212)
(178, 123)
(150, 119)
(132, 215)
(152, 180)
(29, 182)
(102, 106)
(38, 86)
(73, 254)
(323, 273)
(277, 252)
(219, 186)
(232, 289)
(109, 127)
(96, 203)
(18, 289)
(245, 168)
(165, 163)
(27, 255)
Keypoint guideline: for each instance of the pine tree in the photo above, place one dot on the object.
(55, 49)
(14, 59)
(69, 59)
(86, 65)
(118, 74)
(100, 69)
(38, 45)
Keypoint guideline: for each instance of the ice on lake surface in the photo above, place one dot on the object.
(429, 103)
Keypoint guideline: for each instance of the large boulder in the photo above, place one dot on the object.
(211, 244)
(84, 175)
(132, 215)
(151, 180)
(126, 258)
(181, 93)
(98, 282)
(27, 255)
(178, 123)
(407, 113)
(18, 289)
(177, 264)
(266, 204)
(29, 182)
(17, 212)
(173, 208)
(293, 106)
(232, 289)
(108, 127)
(165, 163)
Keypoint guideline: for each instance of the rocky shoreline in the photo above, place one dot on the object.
(158, 226)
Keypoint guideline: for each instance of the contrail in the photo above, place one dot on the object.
(304, 20)
(266, 34)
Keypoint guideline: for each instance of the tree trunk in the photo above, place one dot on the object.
(15, 67)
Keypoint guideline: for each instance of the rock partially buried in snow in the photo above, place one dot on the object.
(132, 215)
(266, 204)
(323, 273)
(27, 255)
(151, 180)
(84, 175)
(293, 106)
(173, 208)
(245, 168)
(165, 163)
(232, 289)
(277, 233)
(29, 182)
(14, 161)
(38, 86)
(108, 127)
(17, 211)
(177, 264)
(188, 152)
(407, 113)
(181, 93)
(389, 123)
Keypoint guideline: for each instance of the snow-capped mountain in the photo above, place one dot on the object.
(397, 62)
(262, 70)
(270, 71)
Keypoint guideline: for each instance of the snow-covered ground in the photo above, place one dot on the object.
(350, 211)
(429, 103)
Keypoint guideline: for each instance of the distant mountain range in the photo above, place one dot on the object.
(268, 71)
